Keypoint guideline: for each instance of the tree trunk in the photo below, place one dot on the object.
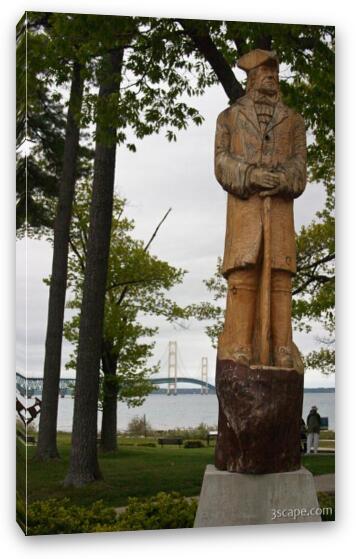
(108, 438)
(206, 46)
(47, 443)
(84, 466)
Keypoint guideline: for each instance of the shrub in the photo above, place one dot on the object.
(199, 432)
(193, 444)
(20, 512)
(139, 426)
(163, 511)
(55, 516)
(147, 444)
(327, 500)
(202, 430)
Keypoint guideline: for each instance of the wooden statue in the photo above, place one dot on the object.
(260, 160)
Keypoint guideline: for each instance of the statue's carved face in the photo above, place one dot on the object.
(264, 79)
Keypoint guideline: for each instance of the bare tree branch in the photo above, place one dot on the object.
(124, 291)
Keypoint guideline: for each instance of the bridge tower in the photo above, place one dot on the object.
(204, 375)
(172, 368)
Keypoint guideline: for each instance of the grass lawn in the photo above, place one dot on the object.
(319, 464)
(133, 471)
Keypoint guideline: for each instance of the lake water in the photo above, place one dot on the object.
(185, 410)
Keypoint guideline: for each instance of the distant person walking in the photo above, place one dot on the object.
(313, 425)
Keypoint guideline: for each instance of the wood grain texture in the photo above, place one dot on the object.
(266, 285)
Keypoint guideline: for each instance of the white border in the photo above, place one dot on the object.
(279, 541)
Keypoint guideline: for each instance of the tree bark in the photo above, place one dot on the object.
(84, 466)
(264, 42)
(47, 443)
(108, 438)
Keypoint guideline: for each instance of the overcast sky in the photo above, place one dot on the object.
(159, 176)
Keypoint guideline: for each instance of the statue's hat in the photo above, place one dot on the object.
(256, 58)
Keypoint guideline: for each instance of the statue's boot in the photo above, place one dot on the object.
(236, 340)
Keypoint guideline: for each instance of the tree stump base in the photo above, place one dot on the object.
(259, 418)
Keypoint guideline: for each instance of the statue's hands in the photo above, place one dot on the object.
(280, 185)
(263, 178)
(269, 182)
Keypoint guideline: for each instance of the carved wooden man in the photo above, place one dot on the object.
(260, 151)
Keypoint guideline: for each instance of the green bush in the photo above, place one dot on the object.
(59, 516)
(139, 426)
(194, 444)
(327, 501)
(55, 516)
(20, 512)
(164, 511)
(147, 444)
(199, 432)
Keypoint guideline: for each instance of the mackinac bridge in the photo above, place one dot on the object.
(175, 374)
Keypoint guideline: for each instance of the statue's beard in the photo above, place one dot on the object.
(267, 95)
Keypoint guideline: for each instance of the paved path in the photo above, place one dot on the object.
(325, 483)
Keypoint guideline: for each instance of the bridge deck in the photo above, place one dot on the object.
(34, 384)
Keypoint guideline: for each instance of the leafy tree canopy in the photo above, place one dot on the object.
(155, 75)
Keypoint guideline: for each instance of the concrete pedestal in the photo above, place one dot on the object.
(233, 499)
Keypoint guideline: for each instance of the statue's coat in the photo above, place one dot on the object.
(239, 147)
